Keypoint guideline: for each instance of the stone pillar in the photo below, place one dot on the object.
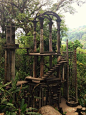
(34, 35)
(10, 47)
(35, 48)
(50, 36)
(41, 48)
(50, 42)
(58, 36)
(75, 74)
(63, 72)
(41, 36)
(67, 71)
(41, 66)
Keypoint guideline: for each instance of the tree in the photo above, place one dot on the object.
(66, 5)
(20, 12)
(77, 44)
(74, 45)
(84, 37)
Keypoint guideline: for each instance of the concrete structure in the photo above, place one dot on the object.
(10, 47)
(45, 82)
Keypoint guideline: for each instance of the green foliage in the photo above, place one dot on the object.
(76, 34)
(2, 60)
(77, 44)
(82, 101)
(81, 75)
(23, 64)
(20, 11)
(4, 104)
(11, 105)
(74, 45)
(26, 40)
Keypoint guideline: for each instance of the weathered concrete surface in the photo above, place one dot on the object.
(67, 109)
(48, 110)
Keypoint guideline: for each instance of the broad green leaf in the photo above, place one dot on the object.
(7, 84)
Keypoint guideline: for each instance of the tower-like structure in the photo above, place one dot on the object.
(70, 86)
(10, 47)
(42, 53)
(48, 79)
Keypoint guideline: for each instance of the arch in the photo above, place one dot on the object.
(47, 15)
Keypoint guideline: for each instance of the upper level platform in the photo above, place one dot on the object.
(44, 54)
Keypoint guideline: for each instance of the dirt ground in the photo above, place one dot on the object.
(69, 110)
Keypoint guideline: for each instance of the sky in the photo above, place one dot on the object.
(77, 19)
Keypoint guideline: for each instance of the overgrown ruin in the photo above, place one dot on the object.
(45, 87)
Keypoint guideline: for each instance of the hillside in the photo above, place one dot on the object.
(76, 33)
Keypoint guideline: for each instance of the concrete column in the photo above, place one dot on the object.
(75, 74)
(50, 36)
(41, 48)
(13, 65)
(50, 43)
(67, 71)
(34, 36)
(63, 72)
(35, 49)
(58, 37)
(41, 66)
(41, 36)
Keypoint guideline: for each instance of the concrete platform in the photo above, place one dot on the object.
(69, 110)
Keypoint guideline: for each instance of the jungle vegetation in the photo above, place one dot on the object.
(76, 34)
(21, 12)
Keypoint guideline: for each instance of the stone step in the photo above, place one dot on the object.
(54, 68)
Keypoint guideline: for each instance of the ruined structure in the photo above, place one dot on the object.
(10, 47)
(70, 86)
(44, 87)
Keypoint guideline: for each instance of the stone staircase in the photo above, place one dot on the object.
(53, 69)
(52, 94)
